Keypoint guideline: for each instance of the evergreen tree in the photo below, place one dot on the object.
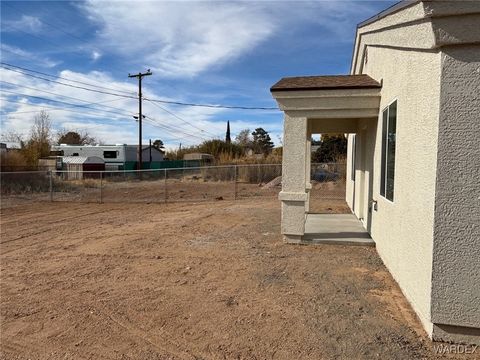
(262, 143)
(228, 140)
(332, 148)
(158, 144)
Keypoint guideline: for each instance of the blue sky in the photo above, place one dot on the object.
(199, 52)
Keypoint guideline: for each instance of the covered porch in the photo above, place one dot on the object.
(347, 104)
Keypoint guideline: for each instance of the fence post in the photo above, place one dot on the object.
(51, 185)
(101, 188)
(165, 186)
(235, 186)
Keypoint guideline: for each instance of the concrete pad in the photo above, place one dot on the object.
(336, 229)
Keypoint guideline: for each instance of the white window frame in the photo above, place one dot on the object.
(384, 152)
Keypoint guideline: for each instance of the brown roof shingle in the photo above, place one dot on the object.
(331, 82)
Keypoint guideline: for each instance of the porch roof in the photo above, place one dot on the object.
(329, 97)
(327, 82)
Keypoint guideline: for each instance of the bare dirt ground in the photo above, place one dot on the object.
(211, 280)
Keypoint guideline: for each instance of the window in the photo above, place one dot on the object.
(75, 154)
(110, 154)
(389, 133)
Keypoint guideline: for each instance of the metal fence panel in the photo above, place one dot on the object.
(328, 187)
(205, 183)
(201, 183)
(24, 186)
(259, 180)
(133, 186)
(76, 186)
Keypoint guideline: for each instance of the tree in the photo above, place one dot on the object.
(13, 136)
(158, 144)
(40, 138)
(262, 143)
(332, 148)
(70, 138)
(75, 138)
(228, 140)
(243, 138)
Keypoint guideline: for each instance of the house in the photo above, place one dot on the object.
(116, 157)
(411, 107)
(6, 146)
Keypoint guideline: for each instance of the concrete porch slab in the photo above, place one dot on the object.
(335, 229)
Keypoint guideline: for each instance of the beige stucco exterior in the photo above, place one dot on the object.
(403, 230)
(427, 57)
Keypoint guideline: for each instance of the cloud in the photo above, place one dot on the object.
(105, 116)
(185, 39)
(26, 22)
(179, 38)
(12, 53)
(96, 55)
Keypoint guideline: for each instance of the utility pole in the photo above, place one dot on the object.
(150, 149)
(140, 116)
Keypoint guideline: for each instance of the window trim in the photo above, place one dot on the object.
(384, 151)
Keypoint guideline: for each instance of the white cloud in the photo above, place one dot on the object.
(112, 125)
(96, 55)
(26, 22)
(184, 39)
(180, 38)
(12, 52)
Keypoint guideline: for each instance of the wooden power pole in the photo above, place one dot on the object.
(140, 116)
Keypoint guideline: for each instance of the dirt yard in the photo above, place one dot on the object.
(211, 280)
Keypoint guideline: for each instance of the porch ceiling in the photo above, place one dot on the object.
(328, 97)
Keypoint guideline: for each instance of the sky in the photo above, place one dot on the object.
(72, 59)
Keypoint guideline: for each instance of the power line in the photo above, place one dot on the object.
(63, 78)
(65, 96)
(95, 113)
(77, 99)
(58, 101)
(179, 118)
(165, 127)
(94, 108)
(6, 66)
(69, 85)
(211, 105)
(171, 128)
(152, 123)
(50, 108)
(56, 108)
(80, 105)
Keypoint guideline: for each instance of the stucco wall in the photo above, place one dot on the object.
(403, 230)
(456, 251)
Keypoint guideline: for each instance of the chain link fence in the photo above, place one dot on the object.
(231, 182)
(328, 188)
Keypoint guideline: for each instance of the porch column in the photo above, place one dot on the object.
(294, 164)
(308, 184)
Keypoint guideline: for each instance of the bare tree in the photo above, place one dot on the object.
(41, 130)
(12, 136)
(243, 138)
(38, 144)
